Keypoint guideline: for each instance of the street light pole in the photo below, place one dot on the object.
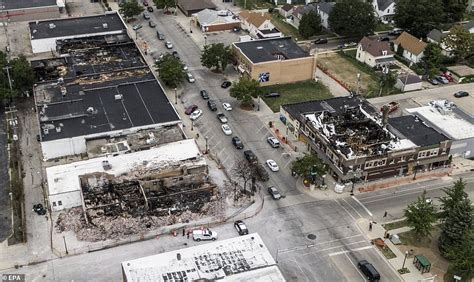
(65, 246)
(206, 144)
(404, 260)
(175, 96)
(416, 169)
(192, 125)
(258, 103)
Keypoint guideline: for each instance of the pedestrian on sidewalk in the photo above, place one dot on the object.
(184, 232)
(370, 226)
(188, 233)
(385, 214)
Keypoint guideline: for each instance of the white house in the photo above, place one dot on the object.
(412, 47)
(299, 11)
(384, 9)
(374, 52)
(409, 82)
(286, 10)
(436, 36)
(258, 25)
(324, 10)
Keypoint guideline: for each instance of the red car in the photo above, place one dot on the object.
(190, 109)
(448, 76)
(392, 107)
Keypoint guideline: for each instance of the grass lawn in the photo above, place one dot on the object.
(285, 27)
(395, 225)
(296, 92)
(409, 238)
(254, 4)
(383, 27)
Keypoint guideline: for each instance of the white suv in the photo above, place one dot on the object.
(273, 142)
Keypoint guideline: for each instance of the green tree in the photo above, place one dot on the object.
(307, 165)
(454, 10)
(387, 81)
(421, 216)
(310, 24)
(432, 56)
(171, 70)
(245, 89)
(352, 18)
(460, 41)
(130, 9)
(456, 217)
(418, 17)
(164, 4)
(216, 56)
(462, 257)
(22, 74)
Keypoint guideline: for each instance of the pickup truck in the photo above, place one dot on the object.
(204, 235)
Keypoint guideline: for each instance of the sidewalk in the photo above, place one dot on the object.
(396, 263)
(336, 89)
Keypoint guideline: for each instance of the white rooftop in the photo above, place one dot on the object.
(448, 122)
(243, 258)
(65, 178)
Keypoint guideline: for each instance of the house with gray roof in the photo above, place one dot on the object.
(299, 11)
(374, 53)
(384, 9)
(324, 10)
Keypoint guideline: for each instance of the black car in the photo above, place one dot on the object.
(250, 156)
(226, 84)
(241, 227)
(237, 143)
(384, 39)
(175, 54)
(151, 24)
(320, 41)
(212, 105)
(271, 95)
(261, 173)
(222, 118)
(160, 36)
(204, 94)
(38, 209)
(461, 94)
(369, 270)
(150, 9)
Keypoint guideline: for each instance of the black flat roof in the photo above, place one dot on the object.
(417, 131)
(335, 105)
(76, 26)
(266, 50)
(21, 4)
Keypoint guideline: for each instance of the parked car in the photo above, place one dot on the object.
(392, 106)
(212, 105)
(151, 24)
(272, 165)
(442, 79)
(160, 36)
(350, 44)
(146, 16)
(369, 270)
(189, 110)
(448, 76)
(320, 41)
(271, 95)
(461, 94)
(384, 38)
(261, 173)
(204, 235)
(241, 228)
(433, 81)
(250, 156)
(226, 129)
(149, 9)
(222, 118)
(237, 143)
(395, 31)
(273, 142)
(39, 209)
(196, 114)
(175, 54)
(145, 3)
(168, 45)
(236, 29)
(190, 78)
(185, 67)
(274, 193)
(227, 106)
(204, 94)
(137, 27)
(226, 84)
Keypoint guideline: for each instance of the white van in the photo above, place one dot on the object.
(205, 234)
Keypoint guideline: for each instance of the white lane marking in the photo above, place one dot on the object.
(364, 207)
(353, 218)
(317, 244)
(335, 247)
(350, 250)
(357, 269)
(352, 208)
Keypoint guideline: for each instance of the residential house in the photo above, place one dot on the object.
(258, 25)
(211, 20)
(299, 11)
(436, 36)
(408, 82)
(286, 10)
(469, 26)
(411, 47)
(384, 9)
(274, 61)
(324, 10)
(374, 53)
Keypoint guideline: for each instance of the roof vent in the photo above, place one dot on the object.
(82, 93)
(90, 110)
(104, 25)
(52, 26)
(118, 97)
(34, 31)
(63, 91)
(416, 119)
(259, 47)
(58, 129)
(106, 165)
(281, 45)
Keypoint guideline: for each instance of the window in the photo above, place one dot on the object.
(60, 203)
(375, 163)
(54, 204)
(392, 162)
(428, 153)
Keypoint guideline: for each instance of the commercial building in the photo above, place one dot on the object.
(274, 61)
(452, 122)
(100, 87)
(45, 34)
(211, 20)
(243, 258)
(358, 142)
(190, 7)
(29, 10)
(150, 173)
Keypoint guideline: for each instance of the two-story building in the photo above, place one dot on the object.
(258, 25)
(356, 141)
(324, 10)
(384, 9)
(374, 53)
(410, 47)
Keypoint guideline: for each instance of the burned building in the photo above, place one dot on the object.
(100, 87)
(168, 176)
(357, 141)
